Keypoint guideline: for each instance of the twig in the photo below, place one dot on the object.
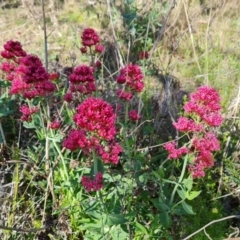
(207, 234)
(131, 133)
(212, 222)
(158, 145)
(234, 234)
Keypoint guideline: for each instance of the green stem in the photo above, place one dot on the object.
(95, 163)
(180, 179)
(126, 113)
(125, 131)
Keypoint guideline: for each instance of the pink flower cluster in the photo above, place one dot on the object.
(93, 185)
(131, 76)
(175, 153)
(90, 38)
(204, 106)
(184, 124)
(27, 112)
(55, 124)
(26, 73)
(110, 153)
(96, 130)
(82, 80)
(203, 146)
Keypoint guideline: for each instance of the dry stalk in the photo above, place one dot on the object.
(191, 36)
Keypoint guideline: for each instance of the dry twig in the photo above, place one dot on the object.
(212, 222)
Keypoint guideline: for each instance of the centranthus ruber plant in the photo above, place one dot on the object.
(202, 116)
(94, 150)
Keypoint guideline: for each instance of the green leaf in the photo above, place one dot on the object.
(182, 194)
(115, 219)
(179, 211)
(187, 208)
(100, 168)
(193, 195)
(29, 125)
(84, 220)
(93, 226)
(165, 219)
(57, 138)
(130, 215)
(141, 228)
(187, 183)
(161, 172)
(118, 233)
(160, 205)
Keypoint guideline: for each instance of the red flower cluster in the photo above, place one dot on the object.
(97, 116)
(27, 112)
(83, 50)
(124, 95)
(175, 153)
(93, 185)
(26, 73)
(133, 115)
(8, 67)
(96, 121)
(96, 133)
(110, 153)
(143, 55)
(90, 38)
(54, 76)
(31, 78)
(68, 97)
(82, 80)
(204, 105)
(13, 50)
(132, 77)
(99, 48)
